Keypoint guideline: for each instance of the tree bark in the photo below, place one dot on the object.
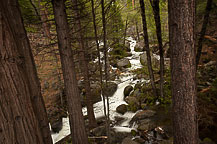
(20, 103)
(203, 30)
(76, 119)
(85, 69)
(23, 42)
(156, 12)
(183, 70)
(105, 70)
(146, 41)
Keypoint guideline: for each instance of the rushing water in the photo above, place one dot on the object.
(117, 99)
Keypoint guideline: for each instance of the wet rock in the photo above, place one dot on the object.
(127, 90)
(128, 141)
(121, 109)
(130, 99)
(146, 124)
(133, 103)
(142, 115)
(143, 60)
(139, 46)
(57, 125)
(119, 120)
(99, 131)
(111, 88)
(124, 63)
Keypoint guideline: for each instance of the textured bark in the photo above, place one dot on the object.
(85, 69)
(18, 118)
(203, 30)
(183, 68)
(76, 119)
(23, 42)
(156, 11)
(146, 41)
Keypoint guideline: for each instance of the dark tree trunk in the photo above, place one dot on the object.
(23, 42)
(105, 70)
(85, 69)
(98, 54)
(20, 103)
(156, 11)
(146, 41)
(183, 69)
(76, 119)
(203, 30)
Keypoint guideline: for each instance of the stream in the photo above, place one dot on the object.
(117, 99)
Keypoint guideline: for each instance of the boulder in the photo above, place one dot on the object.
(99, 131)
(124, 63)
(128, 141)
(146, 125)
(133, 103)
(142, 115)
(139, 46)
(154, 59)
(121, 109)
(127, 90)
(57, 125)
(111, 88)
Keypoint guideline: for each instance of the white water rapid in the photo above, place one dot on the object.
(117, 99)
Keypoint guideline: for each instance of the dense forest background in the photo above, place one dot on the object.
(98, 34)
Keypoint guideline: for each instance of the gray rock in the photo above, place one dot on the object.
(142, 115)
(127, 90)
(121, 109)
(111, 88)
(99, 131)
(146, 124)
(143, 59)
(130, 100)
(124, 63)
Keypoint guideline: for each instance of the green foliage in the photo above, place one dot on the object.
(28, 12)
(118, 52)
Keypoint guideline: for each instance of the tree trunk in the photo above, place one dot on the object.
(156, 11)
(183, 68)
(98, 54)
(36, 97)
(76, 119)
(19, 121)
(105, 70)
(146, 41)
(85, 69)
(203, 30)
